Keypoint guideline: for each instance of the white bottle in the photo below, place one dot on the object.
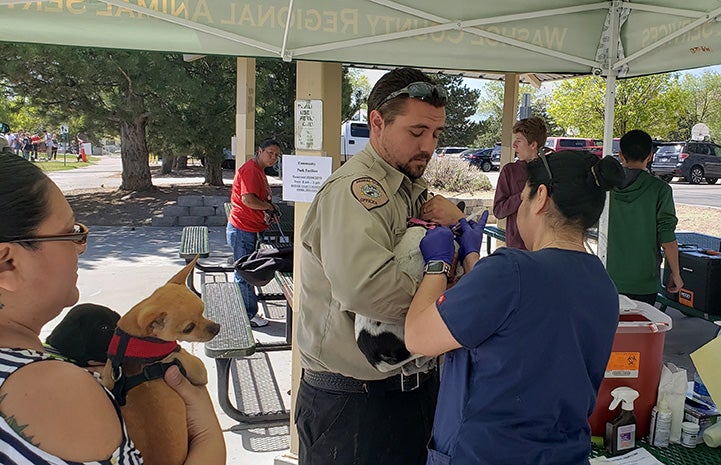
(660, 424)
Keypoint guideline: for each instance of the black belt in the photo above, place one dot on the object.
(337, 382)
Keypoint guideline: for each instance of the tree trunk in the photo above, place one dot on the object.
(167, 164)
(181, 162)
(213, 172)
(134, 155)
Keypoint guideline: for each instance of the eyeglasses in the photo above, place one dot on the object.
(420, 90)
(78, 236)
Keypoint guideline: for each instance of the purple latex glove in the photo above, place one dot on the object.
(437, 244)
(471, 235)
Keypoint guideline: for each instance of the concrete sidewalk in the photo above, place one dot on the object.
(123, 265)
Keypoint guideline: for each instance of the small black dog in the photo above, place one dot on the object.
(83, 336)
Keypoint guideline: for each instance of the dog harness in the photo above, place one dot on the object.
(144, 350)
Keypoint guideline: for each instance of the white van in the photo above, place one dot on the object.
(354, 136)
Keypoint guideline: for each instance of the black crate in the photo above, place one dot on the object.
(701, 274)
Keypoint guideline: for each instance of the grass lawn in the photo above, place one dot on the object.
(70, 163)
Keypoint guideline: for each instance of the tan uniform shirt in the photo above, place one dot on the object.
(347, 262)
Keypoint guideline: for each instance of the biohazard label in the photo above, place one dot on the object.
(623, 365)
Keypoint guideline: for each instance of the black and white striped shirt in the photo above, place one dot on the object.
(14, 450)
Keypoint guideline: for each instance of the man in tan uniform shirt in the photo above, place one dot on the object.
(347, 411)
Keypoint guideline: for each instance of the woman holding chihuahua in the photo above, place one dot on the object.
(527, 334)
(51, 411)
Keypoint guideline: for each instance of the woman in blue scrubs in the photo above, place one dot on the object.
(526, 334)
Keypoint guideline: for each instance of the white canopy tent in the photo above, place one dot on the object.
(540, 40)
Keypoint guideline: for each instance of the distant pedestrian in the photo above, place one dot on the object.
(55, 146)
(251, 198)
(48, 139)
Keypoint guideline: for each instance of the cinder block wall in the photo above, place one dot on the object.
(194, 210)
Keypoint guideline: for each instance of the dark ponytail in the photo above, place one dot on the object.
(578, 183)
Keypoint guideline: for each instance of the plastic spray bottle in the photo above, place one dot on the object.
(621, 432)
(660, 424)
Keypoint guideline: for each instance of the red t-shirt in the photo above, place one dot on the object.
(249, 179)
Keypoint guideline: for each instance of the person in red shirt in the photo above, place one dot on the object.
(251, 198)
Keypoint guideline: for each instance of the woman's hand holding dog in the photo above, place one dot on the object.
(206, 444)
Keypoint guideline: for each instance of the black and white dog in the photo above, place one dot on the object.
(383, 343)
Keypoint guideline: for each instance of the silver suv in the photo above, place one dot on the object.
(692, 160)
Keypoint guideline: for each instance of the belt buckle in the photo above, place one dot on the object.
(412, 386)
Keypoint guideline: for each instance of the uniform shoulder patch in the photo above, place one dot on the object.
(369, 193)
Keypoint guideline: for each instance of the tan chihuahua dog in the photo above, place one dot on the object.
(143, 347)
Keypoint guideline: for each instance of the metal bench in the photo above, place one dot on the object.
(281, 233)
(500, 234)
(234, 349)
(493, 232)
(194, 241)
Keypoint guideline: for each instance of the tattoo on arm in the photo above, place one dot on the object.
(15, 425)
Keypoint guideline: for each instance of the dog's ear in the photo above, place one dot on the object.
(182, 275)
(152, 320)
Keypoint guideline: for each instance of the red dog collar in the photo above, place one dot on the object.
(124, 346)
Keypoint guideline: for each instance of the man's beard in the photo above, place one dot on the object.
(415, 172)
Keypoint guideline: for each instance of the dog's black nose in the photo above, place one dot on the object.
(214, 328)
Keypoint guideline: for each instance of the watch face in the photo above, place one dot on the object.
(435, 267)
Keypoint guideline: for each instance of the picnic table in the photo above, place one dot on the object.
(243, 371)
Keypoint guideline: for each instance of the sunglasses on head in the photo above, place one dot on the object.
(78, 236)
(542, 155)
(420, 90)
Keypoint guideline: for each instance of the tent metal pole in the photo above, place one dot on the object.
(611, 57)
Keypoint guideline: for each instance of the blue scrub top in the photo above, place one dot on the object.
(536, 330)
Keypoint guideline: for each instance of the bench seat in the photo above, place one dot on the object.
(234, 350)
(194, 241)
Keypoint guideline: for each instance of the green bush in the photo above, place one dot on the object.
(452, 174)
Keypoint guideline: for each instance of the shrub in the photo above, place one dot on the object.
(452, 174)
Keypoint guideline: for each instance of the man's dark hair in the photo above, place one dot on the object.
(636, 145)
(391, 82)
(267, 143)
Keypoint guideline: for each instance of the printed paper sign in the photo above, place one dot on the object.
(308, 124)
(303, 176)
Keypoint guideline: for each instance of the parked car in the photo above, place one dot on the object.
(496, 156)
(449, 151)
(481, 158)
(615, 148)
(692, 160)
(573, 143)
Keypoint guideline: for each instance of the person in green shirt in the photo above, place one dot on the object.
(642, 217)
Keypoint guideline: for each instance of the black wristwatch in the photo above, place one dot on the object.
(438, 267)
